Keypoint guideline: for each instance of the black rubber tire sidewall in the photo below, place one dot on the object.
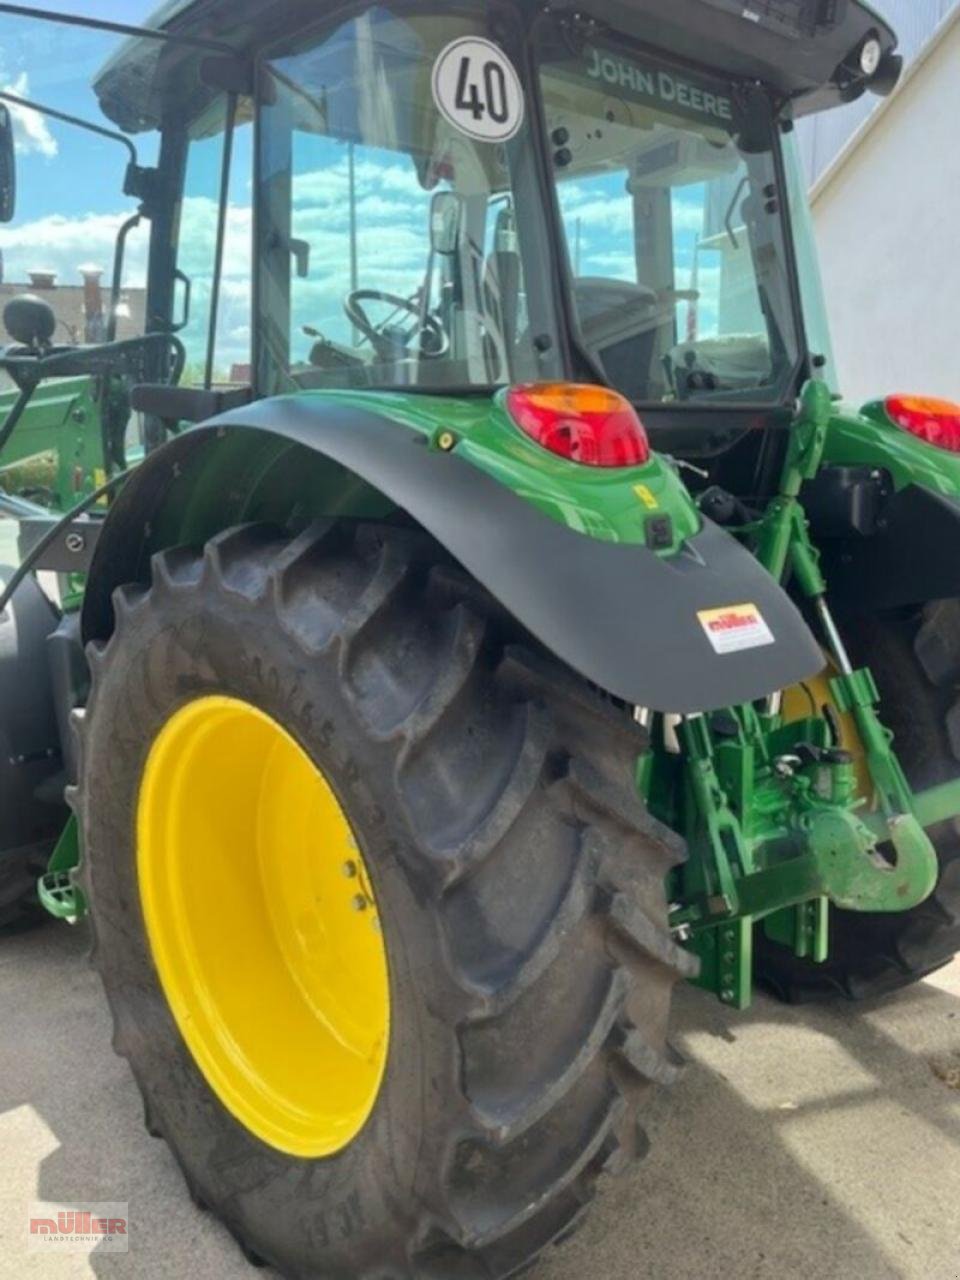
(245, 655)
(519, 875)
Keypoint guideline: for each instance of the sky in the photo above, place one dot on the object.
(55, 65)
(70, 200)
(61, 169)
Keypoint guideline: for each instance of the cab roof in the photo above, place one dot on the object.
(801, 49)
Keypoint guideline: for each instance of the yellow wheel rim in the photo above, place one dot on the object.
(263, 926)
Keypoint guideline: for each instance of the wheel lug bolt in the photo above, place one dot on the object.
(350, 870)
(359, 902)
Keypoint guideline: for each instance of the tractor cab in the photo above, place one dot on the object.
(469, 197)
(480, 610)
(403, 224)
(454, 199)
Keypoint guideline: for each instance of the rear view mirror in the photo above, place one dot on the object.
(8, 166)
(887, 76)
(446, 214)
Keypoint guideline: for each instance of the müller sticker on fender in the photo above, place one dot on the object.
(735, 628)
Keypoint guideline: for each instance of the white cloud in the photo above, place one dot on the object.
(330, 184)
(369, 209)
(613, 215)
(709, 279)
(198, 238)
(62, 244)
(612, 265)
(31, 132)
(688, 215)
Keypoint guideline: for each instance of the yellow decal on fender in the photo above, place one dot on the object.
(735, 628)
(646, 497)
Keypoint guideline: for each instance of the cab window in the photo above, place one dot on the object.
(673, 223)
(390, 254)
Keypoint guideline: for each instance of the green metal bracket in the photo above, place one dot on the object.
(723, 834)
(57, 888)
(773, 822)
(805, 929)
(726, 962)
(775, 534)
(938, 804)
(842, 865)
(771, 809)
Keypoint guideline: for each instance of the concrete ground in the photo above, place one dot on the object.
(799, 1142)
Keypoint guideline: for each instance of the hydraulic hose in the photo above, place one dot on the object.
(53, 533)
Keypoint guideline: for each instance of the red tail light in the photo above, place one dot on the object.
(592, 425)
(936, 421)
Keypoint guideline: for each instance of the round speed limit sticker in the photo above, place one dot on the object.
(478, 90)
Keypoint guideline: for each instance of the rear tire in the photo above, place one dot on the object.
(915, 659)
(519, 880)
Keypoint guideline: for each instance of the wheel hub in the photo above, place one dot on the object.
(263, 925)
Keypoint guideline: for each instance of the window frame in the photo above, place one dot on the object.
(175, 156)
(802, 367)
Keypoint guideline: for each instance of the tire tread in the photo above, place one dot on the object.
(594, 924)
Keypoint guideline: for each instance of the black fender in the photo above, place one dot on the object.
(620, 615)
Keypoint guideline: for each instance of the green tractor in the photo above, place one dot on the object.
(524, 625)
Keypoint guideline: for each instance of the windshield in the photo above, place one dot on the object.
(672, 219)
(392, 150)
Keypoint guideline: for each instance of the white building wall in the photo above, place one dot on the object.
(822, 137)
(887, 218)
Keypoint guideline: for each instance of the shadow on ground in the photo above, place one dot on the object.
(813, 1141)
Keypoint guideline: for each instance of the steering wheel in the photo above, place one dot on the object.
(392, 340)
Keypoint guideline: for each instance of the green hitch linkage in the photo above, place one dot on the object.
(876, 885)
